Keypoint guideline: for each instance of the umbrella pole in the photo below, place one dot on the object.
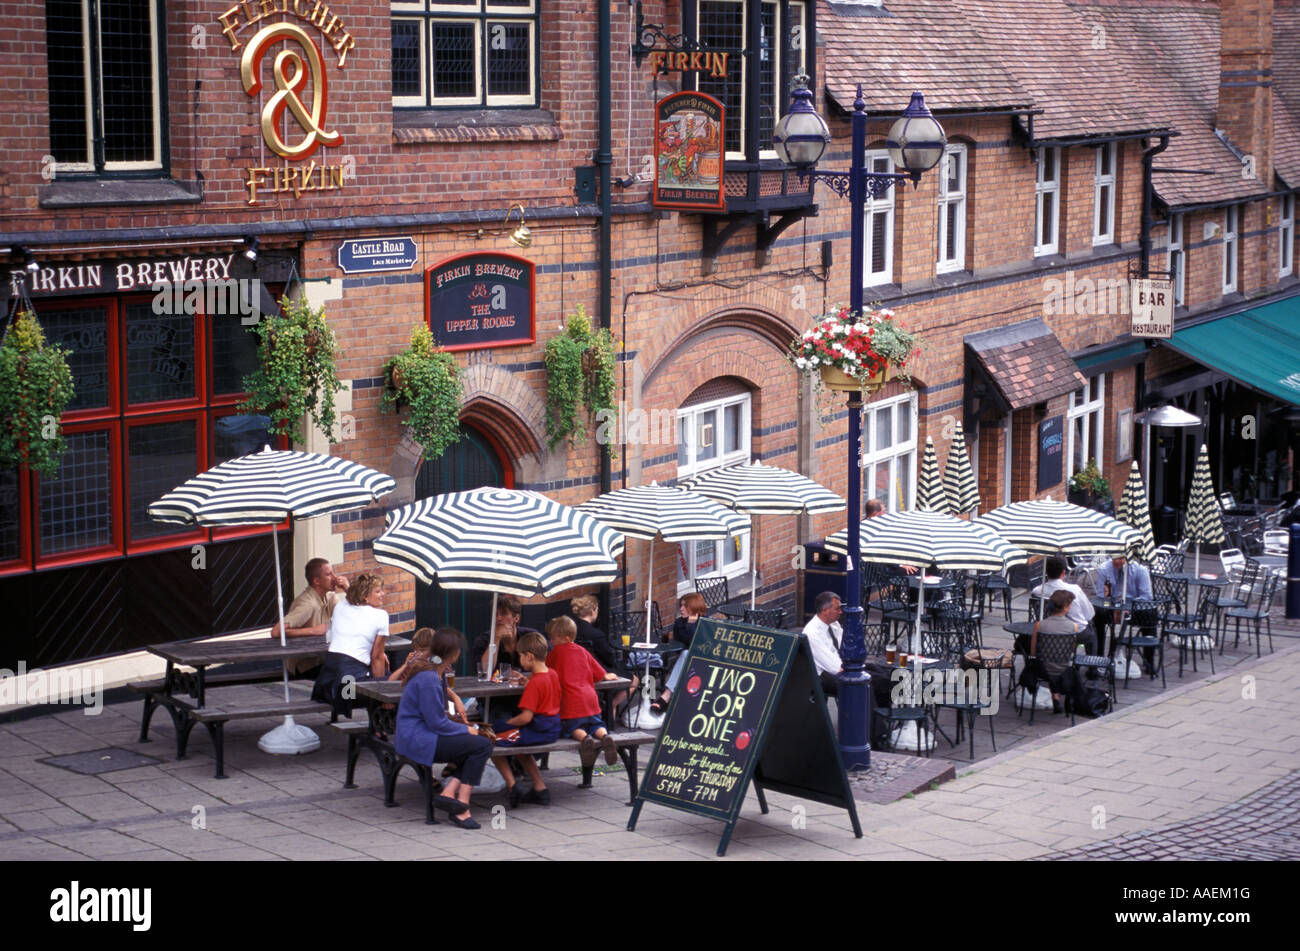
(492, 656)
(920, 609)
(288, 737)
(753, 568)
(1198, 559)
(649, 581)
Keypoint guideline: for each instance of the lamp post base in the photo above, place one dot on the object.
(854, 703)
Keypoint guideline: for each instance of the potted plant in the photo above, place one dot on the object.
(1089, 488)
(296, 373)
(852, 351)
(35, 388)
(580, 367)
(425, 380)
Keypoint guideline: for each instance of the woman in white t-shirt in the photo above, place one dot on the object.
(356, 637)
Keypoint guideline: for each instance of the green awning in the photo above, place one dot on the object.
(1259, 348)
(1129, 352)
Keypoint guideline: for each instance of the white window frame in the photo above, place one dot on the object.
(878, 161)
(775, 49)
(1103, 194)
(1176, 258)
(1231, 249)
(901, 478)
(956, 198)
(738, 570)
(93, 71)
(1043, 188)
(1091, 407)
(1286, 235)
(483, 15)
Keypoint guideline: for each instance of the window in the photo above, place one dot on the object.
(104, 58)
(465, 52)
(1103, 217)
(1084, 427)
(1177, 259)
(889, 451)
(952, 210)
(878, 253)
(721, 25)
(1231, 224)
(1286, 236)
(713, 434)
(154, 405)
(1047, 196)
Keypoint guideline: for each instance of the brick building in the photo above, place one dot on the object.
(188, 129)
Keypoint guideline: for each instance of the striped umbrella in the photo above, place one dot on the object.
(959, 478)
(1204, 517)
(757, 489)
(924, 538)
(499, 540)
(1046, 527)
(265, 488)
(930, 496)
(1136, 511)
(661, 511)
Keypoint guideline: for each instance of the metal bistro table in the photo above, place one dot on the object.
(1192, 579)
(1115, 609)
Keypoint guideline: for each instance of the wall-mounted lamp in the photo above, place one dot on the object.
(251, 244)
(30, 264)
(521, 237)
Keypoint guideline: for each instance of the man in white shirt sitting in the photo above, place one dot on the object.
(824, 637)
(1081, 610)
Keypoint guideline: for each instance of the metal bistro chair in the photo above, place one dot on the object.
(1257, 615)
(1221, 602)
(1142, 616)
(995, 585)
(1192, 631)
(1058, 651)
(713, 590)
(1175, 589)
(766, 617)
(950, 638)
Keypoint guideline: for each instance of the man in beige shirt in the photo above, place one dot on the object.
(309, 614)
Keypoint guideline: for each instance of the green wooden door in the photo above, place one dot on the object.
(469, 464)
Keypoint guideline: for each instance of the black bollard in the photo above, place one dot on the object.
(1293, 574)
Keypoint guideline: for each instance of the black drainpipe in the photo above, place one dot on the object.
(604, 159)
(1148, 192)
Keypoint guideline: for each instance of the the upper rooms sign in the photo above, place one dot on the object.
(295, 116)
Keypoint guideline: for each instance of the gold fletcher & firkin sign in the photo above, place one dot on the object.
(297, 61)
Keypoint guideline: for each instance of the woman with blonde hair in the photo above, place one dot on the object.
(356, 637)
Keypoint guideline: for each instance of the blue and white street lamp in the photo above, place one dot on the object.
(916, 143)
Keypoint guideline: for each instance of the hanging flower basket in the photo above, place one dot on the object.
(855, 352)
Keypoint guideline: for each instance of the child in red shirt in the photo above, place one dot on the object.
(537, 722)
(579, 705)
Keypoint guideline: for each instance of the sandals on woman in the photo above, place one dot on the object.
(658, 706)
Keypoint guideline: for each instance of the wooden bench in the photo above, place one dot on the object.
(156, 694)
(391, 762)
(215, 720)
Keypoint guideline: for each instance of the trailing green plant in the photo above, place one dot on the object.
(426, 380)
(580, 367)
(1090, 480)
(35, 388)
(296, 374)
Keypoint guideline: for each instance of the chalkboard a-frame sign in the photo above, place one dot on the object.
(749, 708)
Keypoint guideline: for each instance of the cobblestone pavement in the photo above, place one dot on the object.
(1262, 827)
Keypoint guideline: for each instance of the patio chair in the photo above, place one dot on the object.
(1192, 631)
(714, 591)
(761, 617)
(1054, 657)
(1259, 615)
(1233, 562)
(1277, 542)
(996, 585)
(1142, 617)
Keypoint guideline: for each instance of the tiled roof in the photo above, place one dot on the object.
(1093, 68)
(1026, 362)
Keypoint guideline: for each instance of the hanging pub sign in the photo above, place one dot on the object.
(750, 710)
(481, 300)
(1051, 452)
(294, 116)
(689, 152)
(1152, 303)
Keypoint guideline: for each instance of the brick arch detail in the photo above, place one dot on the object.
(503, 405)
(689, 326)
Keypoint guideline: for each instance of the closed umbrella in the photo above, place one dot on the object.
(499, 540)
(265, 488)
(930, 496)
(1204, 516)
(1134, 510)
(925, 538)
(667, 512)
(756, 489)
(959, 477)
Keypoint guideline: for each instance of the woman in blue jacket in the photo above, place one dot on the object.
(426, 734)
